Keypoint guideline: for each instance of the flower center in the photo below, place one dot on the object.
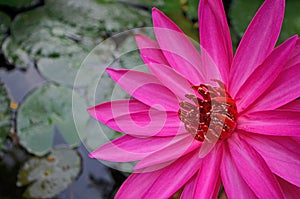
(211, 113)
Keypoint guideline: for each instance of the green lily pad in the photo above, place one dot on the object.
(94, 18)
(34, 35)
(173, 9)
(67, 67)
(5, 123)
(48, 107)
(129, 55)
(291, 21)
(16, 55)
(59, 35)
(191, 9)
(16, 3)
(4, 25)
(47, 177)
(242, 12)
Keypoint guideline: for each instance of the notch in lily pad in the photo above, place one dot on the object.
(46, 177)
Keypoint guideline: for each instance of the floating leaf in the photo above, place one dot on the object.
(43, 36)
(291, 21)
(49, 176)
(17, 3)
(191, 9)
(59, 35)
(129, 53)
(173, 9)
(5, 123)
(67, 67)
(48, 107)
(4, 25)
(93, 19)
(16, 55)
(242, 12)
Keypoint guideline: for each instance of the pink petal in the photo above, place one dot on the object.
(188, 190)
(215, 35)
(257, 43)
(177, 48)
(281, 154)
(293, 106)
(264, 75)
(161, 183)
(253, 169)
(284, 89)
(276, 122)
(103, 112)
(128, 148)
(150, 51)
(290, 191)
(207, 181)
(167, 155)
(172, 80)
(146, 88)
(234, 184)
(125, 116)
(295, 57)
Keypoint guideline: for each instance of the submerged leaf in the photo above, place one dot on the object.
(49, 176)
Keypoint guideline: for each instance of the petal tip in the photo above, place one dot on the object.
(92, 155)
(109, 70)
(155, 10)
(91, 111)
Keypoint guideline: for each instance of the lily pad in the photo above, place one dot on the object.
(242, 12)
(5, 123)
(16, 55)
(291, 21)
(67, 67)
(48, 176)
(59, 35)
(191, 9)
(48, 107)
(17, 3)
(94, 18)
(129, 54)
(4, 25)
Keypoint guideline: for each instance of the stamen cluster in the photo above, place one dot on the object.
(211, 113)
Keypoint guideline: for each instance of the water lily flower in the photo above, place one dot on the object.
(205, 117)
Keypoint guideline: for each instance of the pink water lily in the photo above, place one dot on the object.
(199, 119)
